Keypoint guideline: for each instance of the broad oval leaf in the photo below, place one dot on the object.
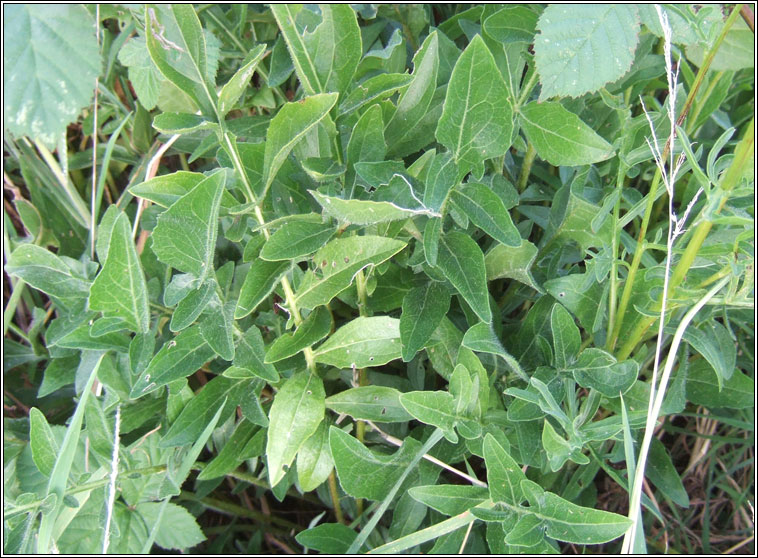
(560, 137)
(580, 48)
(477, 117)
(514, 24)
(50, 61)
(362, 342)
(296, 413)
(327, 538)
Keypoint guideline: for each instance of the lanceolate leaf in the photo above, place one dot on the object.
(296, 413)
(362, 342)
(296, 239)
(599, 370)
(185, 237)
(580, 48)
(250, 355)
(235, 87)
(259, 283)
(477, 118)
(513, 263)
(485, 208)
(504, 476)
(365, 212)
(289, 125)
(45, 271)
(376, 403)
(568, 522)
(461, 261)
(423, 310)
(560, 137)
(43, 443)
(450, 499)
(377, 87)
(119, 290)
(480, 337)
(432, 407)
(313, 329)
(337, 263)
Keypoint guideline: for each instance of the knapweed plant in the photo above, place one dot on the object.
(377, 278)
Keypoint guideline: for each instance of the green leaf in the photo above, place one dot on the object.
(166, 189)
(338, 262)
(259, 282)
(314, 459)
(423, 310)
(45, 271)
(514, 24)
(198, 412)
(481, 338)
(119, 290)
(314, 328)
(185, 236)
(365, 212)
(182, 123)
(462, 263)
(362, 342)
(477, 118)
(177, 47)
(374, 88)
(579, 293)
(231, 455)
(290, 124)
(566, 338)
(296, 413)
(432, 407)
(326, 58)
(327, 538)
(413, 105)
(375, 403)
(440, 179)
(177, 530)
(42, 441)
(662, 473)
(528, 532)
(296, 239)
(366, 142)
(217, 328)
(576, 524)
(580, 48)
(599, 370)
(431, 243)
(449, 499)
(177, 359)
(704, 388)
(512, 263)
(192, 305)
(487, 211)
(560, 137)
(557, 449)
(250, 356)
(364, 473)
(504, 476)
(322, 169)
(143, 75)
(50, 61)
(235, 87)
(736, 52)
(713, 342)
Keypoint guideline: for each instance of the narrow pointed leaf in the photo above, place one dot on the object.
(377, 87)
(45, 271)
(487, 211)
(363, 342)
(259, 282)
(42, 441)
(462, 263)
(313, 329)
(432, 407)
(449, 499)
(566, 337)
(376, 403)
(504, 476)
(599, 370)
(250, 356)
(423, 310)
(235, 87)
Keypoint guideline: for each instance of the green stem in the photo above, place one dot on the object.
(10, 308)
(526, 167)
(527, 90)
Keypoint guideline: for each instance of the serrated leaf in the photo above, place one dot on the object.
(504, 476)
(50, 61)
(566, 337)
(313, 329)
(259, 282)
(487, 211)
(362, 342)
(414, 103)
(314, 459)
(45, 271)
(580, 48)
(462, 263)
(338, 262)
(512, 263)
(449, 499)
(327, 538)
(364, 473)
(423, 310)
(119, 290)
(43, 444)
(235, 87)
(290, 124)
(477, 117)
(185, 236)
(296, 413)
(374, 88)
(177, 359)
(326, 58)
(560, 137)
(599, 370)
(178, 529)
(432, 407)
(375, 403)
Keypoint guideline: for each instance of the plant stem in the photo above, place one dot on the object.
(526, 167)
(10, 308)
(335, 497)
